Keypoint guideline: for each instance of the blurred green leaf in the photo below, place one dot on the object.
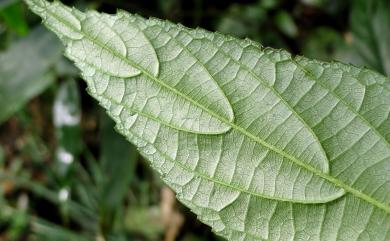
(65, 68)
(14, 18)
(6, 3)
(242, 20)
(89, 178)
(316, 3)
(2, 157)
(286, 24)
(66, 118)
(167, 6)
(145, 221)
(117, 161)
(370, 24)
(24, 70)
(229, 25)
(19, 219)
(322, 43)
(253, 13)
(269, 4)
(86, 217)
(34, 149)
(44, 230)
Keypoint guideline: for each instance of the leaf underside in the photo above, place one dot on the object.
(260, 145)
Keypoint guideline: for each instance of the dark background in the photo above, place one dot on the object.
(65, 174)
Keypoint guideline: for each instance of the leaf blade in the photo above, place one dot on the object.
(108, 96)
(248, 169)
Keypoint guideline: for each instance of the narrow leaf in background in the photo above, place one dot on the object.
(44, 230)
(66, 118)
(117, 161)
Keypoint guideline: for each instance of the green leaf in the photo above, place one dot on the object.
(66, 120)
(328, 44)
(306, 156)
(44, 230)
(117, 164)
(14, 17)
(117, 161)
(285, 22)
(34, 58)
(370, 24)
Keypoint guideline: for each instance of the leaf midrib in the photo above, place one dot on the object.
(327, 177)
(262, 81)
(199, 174)
(308, 74)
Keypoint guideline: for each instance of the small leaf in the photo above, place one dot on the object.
(307, 150)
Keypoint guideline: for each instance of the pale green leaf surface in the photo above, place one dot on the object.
(306, 156)
(91, 39)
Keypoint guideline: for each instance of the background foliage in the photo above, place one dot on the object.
(65, 174)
